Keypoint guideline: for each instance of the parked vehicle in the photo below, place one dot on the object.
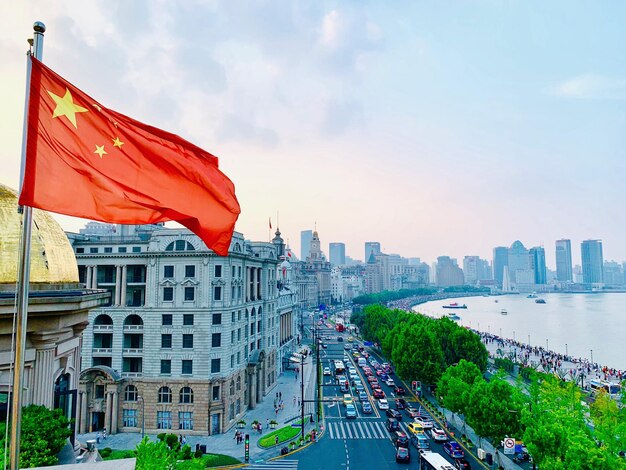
(453, 449)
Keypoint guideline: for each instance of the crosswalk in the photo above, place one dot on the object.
(361, 430)
(280, 464)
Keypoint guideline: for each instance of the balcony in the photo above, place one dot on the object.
(102, 327)
(131, 375)
(132, 351)
(101, 351)
(133, 328)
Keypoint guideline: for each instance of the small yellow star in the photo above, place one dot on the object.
(100, 150)
(97, 107)
(66, 107)
(117, 142)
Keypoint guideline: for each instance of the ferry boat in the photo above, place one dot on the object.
(531, 296)
(453, 316)
(540, 301)
(504, 312)
(455, 305)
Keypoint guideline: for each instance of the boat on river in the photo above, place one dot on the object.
(453, 316)
(540, 301)
(455, 305)
(504, 311)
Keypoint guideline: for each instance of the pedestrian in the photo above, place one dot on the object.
(236, 437)
(280, 395)
(276, 410)
(104, 434)
(276, 440)
(294, 400)
(260, 428)
(98, 437)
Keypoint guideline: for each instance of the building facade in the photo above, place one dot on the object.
(371, 248)
(500, 260)
(305, 243)
(564, 260)
(337, 254)
(189, 340)
(448, 272)
(592, 260)
(538, 264)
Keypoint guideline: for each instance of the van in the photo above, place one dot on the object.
(420, 441)
(362, 362)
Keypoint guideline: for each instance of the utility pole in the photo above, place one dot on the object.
(302, 395)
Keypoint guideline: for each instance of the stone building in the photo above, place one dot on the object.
(189, 341)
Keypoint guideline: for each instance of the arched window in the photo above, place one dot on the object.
(253, 312)
(103, 320)
(232, 387)
(130, 393)
(186, 395)
(165, 395)
(180, 245)
(133, 320)
(238, 383)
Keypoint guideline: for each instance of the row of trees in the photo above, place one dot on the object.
(558, 427)
(388, 296)
(421, 348)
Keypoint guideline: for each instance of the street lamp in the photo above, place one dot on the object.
(143, 416)
(547, 347)
(566, 353)
(591, 350)
(513, 335)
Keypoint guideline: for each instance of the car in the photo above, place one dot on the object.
(378, 393)
(344, 386)
(424, 421)
(383, 404)
(374, 383)
(371, 378)
(421, 441)
(399, 391)
(462, 464)
(379, 372)
(363, 396)
(415, 428)
(347, 399)
(356, 354)
(350, 339)
(339, 339)
(352, 370)
(400, 439)
(367, 407)
(412, 412)
(400, 403)
(394, 414)
(359, 388)
(347, 347)
(453, 449)
(350, 411)
(390, 382)
(324, 346)
(384, 376)
(438, 435)
(366, 355)
(403, 455)
(326, 370)
(393, 425)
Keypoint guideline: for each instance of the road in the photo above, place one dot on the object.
(363, 442)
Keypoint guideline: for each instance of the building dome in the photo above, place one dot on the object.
(52, 257)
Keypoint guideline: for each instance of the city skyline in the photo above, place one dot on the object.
(420, 124)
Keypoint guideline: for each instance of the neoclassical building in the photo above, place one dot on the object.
(189, 340)
(57, 311)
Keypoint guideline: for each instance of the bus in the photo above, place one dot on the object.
(612, 388)
(432, 461)
(339, 367)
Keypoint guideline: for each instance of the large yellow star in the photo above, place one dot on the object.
(117, 142)
(100, 150)
(66, 107)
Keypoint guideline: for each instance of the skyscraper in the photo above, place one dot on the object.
(337, 254)
(371, 248)
(305, 243)
(500, 260)
(564, 260)
(519, 264)
(538, 264)
(591, 254)
(448, 272)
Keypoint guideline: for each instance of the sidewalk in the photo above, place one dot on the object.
(287, 385)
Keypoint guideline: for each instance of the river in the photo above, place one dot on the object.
(589, 326)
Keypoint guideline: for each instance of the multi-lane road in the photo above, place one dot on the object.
(363, 442)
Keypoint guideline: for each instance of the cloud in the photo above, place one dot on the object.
(592, 86)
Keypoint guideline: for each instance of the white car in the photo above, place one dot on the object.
(326, 370)
(424, 421)
(390, 382)
(438, 434)
(383, 404)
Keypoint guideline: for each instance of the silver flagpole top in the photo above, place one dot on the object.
(39, 27)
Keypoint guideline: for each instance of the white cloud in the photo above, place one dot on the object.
(592, 86)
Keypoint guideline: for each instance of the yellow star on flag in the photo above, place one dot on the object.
(117, 142)
(66, 107)
(100, 150)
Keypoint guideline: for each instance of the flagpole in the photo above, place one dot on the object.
(23, 280)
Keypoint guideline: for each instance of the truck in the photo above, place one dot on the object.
(339, 327)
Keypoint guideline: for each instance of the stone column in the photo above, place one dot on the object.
(94, 277)
(252, 390)
(83, 413)
(115, 413)
(107, 412)
(123, 287)
(247, 283)
(88, 274)
(118, 286)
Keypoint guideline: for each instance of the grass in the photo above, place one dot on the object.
(284, 434)
(209, 460)
(111, 454)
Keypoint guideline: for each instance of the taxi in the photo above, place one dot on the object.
(415, 428)
(347, 400)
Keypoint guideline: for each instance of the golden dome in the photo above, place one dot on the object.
(51, 255)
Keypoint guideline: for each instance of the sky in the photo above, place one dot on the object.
(433, 128)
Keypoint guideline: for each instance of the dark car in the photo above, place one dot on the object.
(462, 464)
(378, 393)
(400, 391)
(394, 414)
(403, 455)
(339, 339)
(400, 439)
(453, 449)
(400, 403)
(412, 412)
(393, 425)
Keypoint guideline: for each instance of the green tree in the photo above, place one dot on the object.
(456, 384)
(417, 354)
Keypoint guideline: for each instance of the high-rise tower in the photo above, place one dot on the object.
(564, 260)
(591, 254)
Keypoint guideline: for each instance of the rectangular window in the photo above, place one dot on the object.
(258, 326)
(238, 357)
(166, 319)
(187, 341)
(216, 393)
(129, 418)
(217, 293)
(187, 367)
(190, 270)
(166, 366)
(218, 270)
(185, 420)
(233, 272)
(168, 271)
(216, 340)
(258, 344)
(238, 334)
(188, 319)
(232, 361)
(93, 250)
(168, 294)
(232, 337)
(190, 293)
(252, 346)
(80, 250)
(215, 366)
(164, 420)
(99, 391)
(232, 317)
(109, 249)
(238, 271)
(136, 249)
(166, 341)
(121, 249)
(251, 329)
(217, 318)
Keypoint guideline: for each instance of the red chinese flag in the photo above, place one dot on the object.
(85, 160)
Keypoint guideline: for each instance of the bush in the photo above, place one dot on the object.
(284, 434)
(105, 452)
